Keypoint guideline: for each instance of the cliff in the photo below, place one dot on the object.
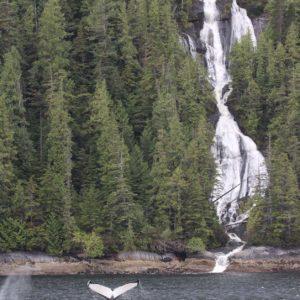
(196, 19)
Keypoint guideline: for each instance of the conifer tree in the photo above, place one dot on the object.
(140, 179)
(11, 91)
(194, 94)
(130, 70)
(198, 216)
(111, 172)
(51, 64)
(7, 155)
(56, 185)
(241, 62)
(9, 25)
(52, 44)
(263, 53)
(292, 45)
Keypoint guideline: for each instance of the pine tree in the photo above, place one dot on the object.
(241, 62)
(282, 14)
(111, 173)
(140, 179)
(292, 45)
(284, 192)
(198, 216)
(167, 176)
(11, 91)
(52, 44)
(277, 68)
(250, 110)
(263, 53)
(56, 185)
(90, 216)
(50, 66)
(9, 25)
(7, 155)
(194, 94)
(138, 24)
(130, 70)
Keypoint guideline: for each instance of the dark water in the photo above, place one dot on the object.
(186, 287)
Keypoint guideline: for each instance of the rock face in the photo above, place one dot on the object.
(253, 259)
(196, 20)
(259, 24)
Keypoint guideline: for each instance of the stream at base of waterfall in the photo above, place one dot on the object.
(241, 168)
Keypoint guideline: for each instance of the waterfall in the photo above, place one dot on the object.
(189, 45)
(241, 24)
(241, 167)
(222, 261)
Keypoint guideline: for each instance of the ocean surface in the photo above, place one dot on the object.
(156, 287)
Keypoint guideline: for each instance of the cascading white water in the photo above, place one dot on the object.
(189, 45)
(240, 24)
(241, 167)
(192, 46)
(222, 261)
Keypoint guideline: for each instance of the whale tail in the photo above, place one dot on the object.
(110, 294)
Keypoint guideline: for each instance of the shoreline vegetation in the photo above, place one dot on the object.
(253, 259)
(107, 125)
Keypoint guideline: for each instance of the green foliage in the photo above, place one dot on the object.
(13, 235)
(7, 154)
(195, 245)
(11, 91)
(241, 63)
(104, 124)
(91, 243)
(54, 235)
(182, 11)
(254, 7)
(267, 107)
(9, 22)
(282, 14)
(128, 239)
(52, 45)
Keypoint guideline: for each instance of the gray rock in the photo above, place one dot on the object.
(196, 12)
(259, 24)
(267, 253)
(196, 19)
(225, 9)
(23, 257)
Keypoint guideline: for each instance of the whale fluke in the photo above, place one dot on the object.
(110, 294)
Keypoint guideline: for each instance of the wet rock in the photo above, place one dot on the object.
(196, 12)
(260, 23)
(267, 252)
(224, 7)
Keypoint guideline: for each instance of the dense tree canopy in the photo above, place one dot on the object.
(104, 126)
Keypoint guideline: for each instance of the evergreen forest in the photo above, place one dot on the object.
(107, 123)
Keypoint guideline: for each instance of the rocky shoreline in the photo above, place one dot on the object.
(259, 259)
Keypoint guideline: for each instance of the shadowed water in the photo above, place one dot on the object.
(155, 287)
